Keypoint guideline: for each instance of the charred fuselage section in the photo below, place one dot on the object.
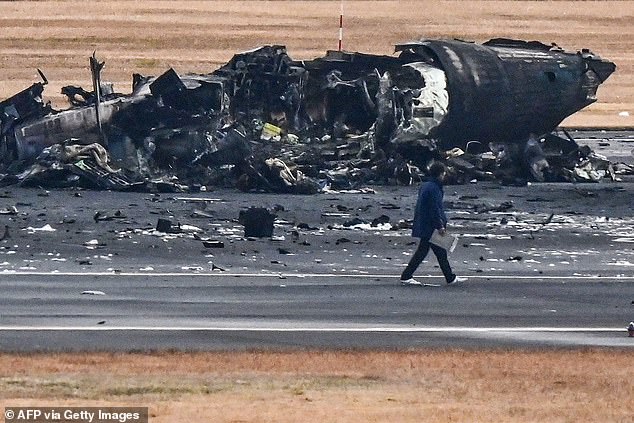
(266, 121)
(505, 90)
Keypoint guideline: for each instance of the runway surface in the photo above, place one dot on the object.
(127, 312)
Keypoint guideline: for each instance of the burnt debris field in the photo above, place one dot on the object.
(264, 122)
(539, 229)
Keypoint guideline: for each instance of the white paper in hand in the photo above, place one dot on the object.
(446, 241)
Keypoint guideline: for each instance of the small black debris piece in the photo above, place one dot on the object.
(381, 220)
(166, 226)
(213, 244)
(257, 222)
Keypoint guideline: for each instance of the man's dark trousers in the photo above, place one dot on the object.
(419, 256)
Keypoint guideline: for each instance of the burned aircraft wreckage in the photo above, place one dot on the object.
(266, 122)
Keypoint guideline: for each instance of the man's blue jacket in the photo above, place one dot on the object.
(429, 213)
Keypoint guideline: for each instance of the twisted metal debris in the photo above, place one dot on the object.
(266, 122)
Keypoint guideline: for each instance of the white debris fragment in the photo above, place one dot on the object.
(624, 114)
(45, 228)
(190, 228)
(194, 268)
(93, 293)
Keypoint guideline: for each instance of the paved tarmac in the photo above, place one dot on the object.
(211, 312)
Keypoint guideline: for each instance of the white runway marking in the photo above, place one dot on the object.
(314, 329)
(312, 275)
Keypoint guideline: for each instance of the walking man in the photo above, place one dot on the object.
(429, 216)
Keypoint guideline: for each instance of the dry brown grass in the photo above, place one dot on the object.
(197, 36)
(410, 386)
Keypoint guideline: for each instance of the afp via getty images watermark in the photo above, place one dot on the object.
(76, 414)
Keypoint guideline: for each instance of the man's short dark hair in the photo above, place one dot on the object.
(436, 169)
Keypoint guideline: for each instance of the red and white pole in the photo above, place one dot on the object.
(341, 26)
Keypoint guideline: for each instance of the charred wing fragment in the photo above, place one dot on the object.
(26, 104)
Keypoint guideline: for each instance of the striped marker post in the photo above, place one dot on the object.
(341, 26)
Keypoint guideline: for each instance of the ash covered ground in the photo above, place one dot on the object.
(549, 229)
